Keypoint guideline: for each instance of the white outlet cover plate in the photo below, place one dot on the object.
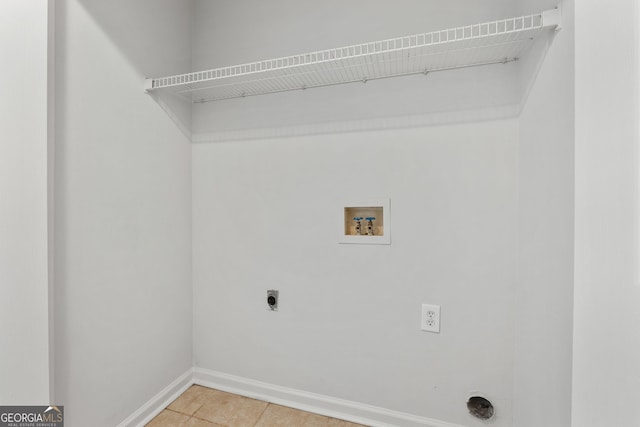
(430, 318)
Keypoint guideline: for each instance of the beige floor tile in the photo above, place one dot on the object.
(192, 399)
(230, 410)
(196, 422)
(168, 418)
(204, 407)
(281, 416)
(315, 420)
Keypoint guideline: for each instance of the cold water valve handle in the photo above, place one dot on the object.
(357, 219)
(370, 225)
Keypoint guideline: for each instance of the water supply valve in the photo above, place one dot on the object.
(370, 225)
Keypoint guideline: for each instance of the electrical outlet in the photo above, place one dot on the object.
(430, 318)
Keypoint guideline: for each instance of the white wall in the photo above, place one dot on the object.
(228, 33)
(266, 216)
(542, 393)
(123, 209)
(125, 234)
(24, 306)
(606, 368)
(324, 339)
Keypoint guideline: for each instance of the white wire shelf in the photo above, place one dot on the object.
(500, 41)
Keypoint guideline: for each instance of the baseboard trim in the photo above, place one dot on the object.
(312, 402)
(158, 402)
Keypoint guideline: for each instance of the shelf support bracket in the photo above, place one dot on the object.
(148, 85)
(553, 18)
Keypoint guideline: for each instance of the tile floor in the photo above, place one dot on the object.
(205, 407)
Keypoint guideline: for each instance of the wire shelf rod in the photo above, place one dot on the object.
(331, 71)
(470, 32)
(497, 41)
(502, 61)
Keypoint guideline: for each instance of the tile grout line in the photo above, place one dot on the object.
(204, 419)
(262, 414)
(189, 415)
(196, 411)
(258, 420)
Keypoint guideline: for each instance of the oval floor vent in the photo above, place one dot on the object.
(480, 407)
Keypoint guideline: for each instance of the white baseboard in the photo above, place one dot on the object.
(312, 402)
(160, 401)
